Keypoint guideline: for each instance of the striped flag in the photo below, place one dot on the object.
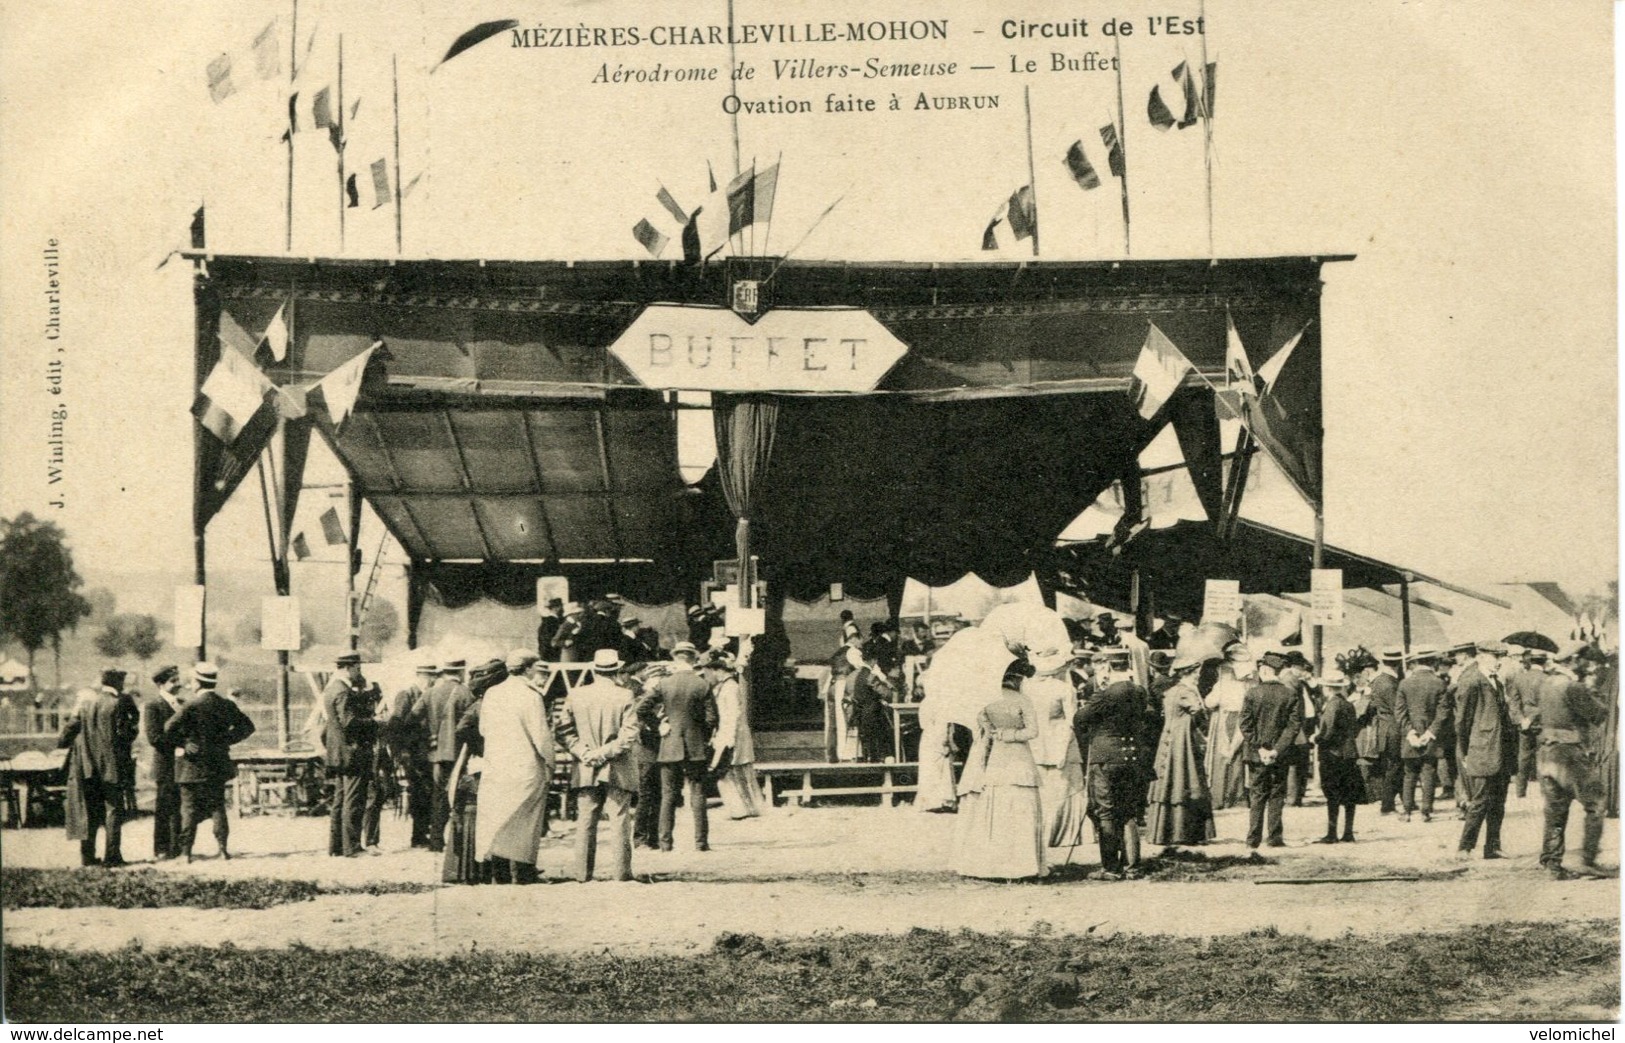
(234, 398)
(1158, 372)
(1157, 110)
(268, 53)
(1114, 149)
(276, 335)
(340, 388)
(650, 237)
(332, 528)
(380, 182)
(1022, 212)
(677, 213)
(1077, 164)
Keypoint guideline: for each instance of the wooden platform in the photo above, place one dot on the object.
(819, 779)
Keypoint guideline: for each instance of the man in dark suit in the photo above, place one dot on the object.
(548, 629)
(1569, 713)
(130, 713)
(1523, 684)
(1422, 712)
(598, 630)
(449, 699)
(405, 736)
(155, 715)
(1114, 723)
(98, 737)
(1487, 748)
(203, 733)
(1271, 718)
(690, 717)
(349, 702)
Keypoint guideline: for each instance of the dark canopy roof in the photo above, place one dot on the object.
(500, 428)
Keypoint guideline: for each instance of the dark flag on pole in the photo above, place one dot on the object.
(652, 239)
(1023, 213)
(220, 85)
(268, 53)
(671, 206)
(742, 202)
(691, 238)
(990, 239)
(1187, 84)
(332, 528)
(350, 191)
(1161, 117)
(1114, 149)
(477, 35)
(301, 547)
(1208, 89)
(380, 182)
(1077, 164)
(322, 108)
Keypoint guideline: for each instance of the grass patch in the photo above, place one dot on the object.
(151, 889)
(920, 976)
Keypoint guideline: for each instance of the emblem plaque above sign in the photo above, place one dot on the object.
(712, 349)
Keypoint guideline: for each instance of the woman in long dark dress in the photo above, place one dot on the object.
(1181, 806)
(1340, 777)
(870, 690)
(461, 865)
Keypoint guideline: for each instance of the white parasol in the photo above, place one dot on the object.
(1039, 631)
(964, 676)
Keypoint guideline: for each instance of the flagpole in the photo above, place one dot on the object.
(1320, 553)
(279, 572)
(395, 89)
(1032, 176)
(293, 72)
(1207, 137)
(340, 145)
(778, 168)
(1122, 142)
(733, 84)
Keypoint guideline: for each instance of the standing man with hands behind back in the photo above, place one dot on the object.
(1271, 718)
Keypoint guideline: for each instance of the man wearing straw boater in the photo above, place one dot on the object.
(203, 733)
(600, 727)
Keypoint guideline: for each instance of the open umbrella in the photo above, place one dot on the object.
(1531, 640)
(964, 676)
(1040, 632)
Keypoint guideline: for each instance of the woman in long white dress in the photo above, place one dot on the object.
(999, 834)
(1226, 763)
(936, 789)
(1063, 798)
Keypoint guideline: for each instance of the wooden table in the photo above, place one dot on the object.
(898, 712)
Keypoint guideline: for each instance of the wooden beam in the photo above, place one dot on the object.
(609, 482)
(468, 485)
(541, 485)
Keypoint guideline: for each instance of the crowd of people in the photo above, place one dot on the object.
(469, 752)
(1221, 726)
(1143, 740)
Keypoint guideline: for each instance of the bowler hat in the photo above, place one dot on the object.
(113, 679)
(1273, 660)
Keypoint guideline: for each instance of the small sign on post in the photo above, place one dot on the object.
(189, 616)
(1222, 603)
(279, 624)
(746, 622)
(1326, 597)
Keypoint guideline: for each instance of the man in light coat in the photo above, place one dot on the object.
(448, 700)
(98, 736)
(518, 771)
(599, 725)
(1487, 748)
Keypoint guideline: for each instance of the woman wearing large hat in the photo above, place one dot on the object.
(1181, 806)
(999, 829)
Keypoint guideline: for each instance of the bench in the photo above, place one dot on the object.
(808, 771)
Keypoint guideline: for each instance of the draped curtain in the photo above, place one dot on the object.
(746, 430)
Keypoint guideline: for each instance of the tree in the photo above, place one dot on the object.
(381, 623)
(39, 589)
(110, 640)
(141, 636)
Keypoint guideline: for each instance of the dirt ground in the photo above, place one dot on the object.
(808, 871)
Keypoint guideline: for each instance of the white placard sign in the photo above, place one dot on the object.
(837, 592)
(712, 349)
(548, 588)
(1326, 597)
(188, 617)
(279, 624)
(1222, 603)
(746, 622)
(727, 598)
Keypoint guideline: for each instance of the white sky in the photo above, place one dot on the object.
(1466, 156)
